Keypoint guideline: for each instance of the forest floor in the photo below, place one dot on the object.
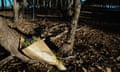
(95, 50)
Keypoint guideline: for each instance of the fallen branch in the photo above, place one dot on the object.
(60, 35)
(6, 60)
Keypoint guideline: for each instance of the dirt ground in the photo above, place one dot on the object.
(95, 50)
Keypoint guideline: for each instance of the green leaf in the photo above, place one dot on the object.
(25, 44)
(34, 38)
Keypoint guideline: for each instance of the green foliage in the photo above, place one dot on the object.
(34, 38)
(27, 43)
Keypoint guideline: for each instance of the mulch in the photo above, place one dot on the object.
(95, 50)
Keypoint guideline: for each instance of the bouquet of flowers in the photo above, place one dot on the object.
(28, 41)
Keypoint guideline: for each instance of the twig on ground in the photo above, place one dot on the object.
(58, 36)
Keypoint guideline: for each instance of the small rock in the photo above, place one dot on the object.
(108, 69)
(84, 69)
(118, 58)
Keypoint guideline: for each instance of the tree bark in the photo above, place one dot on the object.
(75, 20)
(10, 3)
(2, 1)
(68, 47)
(23, 7)
(16, 10)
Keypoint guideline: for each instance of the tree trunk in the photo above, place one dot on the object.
(16, 10)
(23, 8)
(68, 47)
(74, 21)
(10, 3)
(2, 4)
